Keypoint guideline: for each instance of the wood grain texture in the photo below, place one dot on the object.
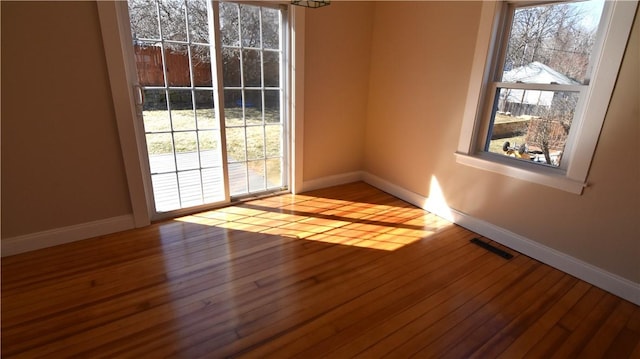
(347, 271)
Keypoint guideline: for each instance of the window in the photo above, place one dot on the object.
(541, 82)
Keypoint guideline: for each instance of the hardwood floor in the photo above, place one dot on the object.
(343, 272)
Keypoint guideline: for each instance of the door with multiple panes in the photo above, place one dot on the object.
(212, 91)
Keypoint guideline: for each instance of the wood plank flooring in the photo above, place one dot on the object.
(342, 272)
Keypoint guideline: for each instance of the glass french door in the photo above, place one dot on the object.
(212, 82)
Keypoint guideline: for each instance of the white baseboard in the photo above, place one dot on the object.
(54, 237)
(610, 282)
(599, 277)
(334, 180)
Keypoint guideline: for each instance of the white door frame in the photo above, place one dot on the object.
(116, 35)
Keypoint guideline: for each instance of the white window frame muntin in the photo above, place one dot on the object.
(539, 87)
(618, 19)
(116, 36)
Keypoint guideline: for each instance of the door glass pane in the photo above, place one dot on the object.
(177, 65)
(212, 181)
(182, 114)
(201, 62)
(209, 147)
(190, 188)
(231, 67)
(532, 125)
(165, 188)
(236, 148)
(233, 112)
(155, 114)
(271, 69)
(274, 172)
(238, 178)
(187, 156)
(552, 43)
(172, 20)
(210, 150)
(257, 176)
(270, 28)
(198, 21)
(272, 107)
(253, 107)
(149, 64)
(205, 110)
(160, 149)
(251, 68)
(274, 141)
(255, 142)
(143, 19)
(250, 26)
(229, 24)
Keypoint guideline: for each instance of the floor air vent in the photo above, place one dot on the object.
(492, 249)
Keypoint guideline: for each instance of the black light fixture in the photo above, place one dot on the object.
(311, 3)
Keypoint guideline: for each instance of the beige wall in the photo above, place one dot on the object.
(337, 52)
(421, 60)
(61, 158)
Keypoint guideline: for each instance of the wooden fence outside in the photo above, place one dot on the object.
(150, 72)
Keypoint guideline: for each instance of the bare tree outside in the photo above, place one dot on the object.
(551, 129)
(173, 20)
(244, 31)
(553, 35)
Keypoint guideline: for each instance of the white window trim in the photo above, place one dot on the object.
(587, 130)
(114, 37)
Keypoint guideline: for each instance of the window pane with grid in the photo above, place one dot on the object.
(539, 81)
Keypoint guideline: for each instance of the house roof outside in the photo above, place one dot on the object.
(537, 73)
(534, 73)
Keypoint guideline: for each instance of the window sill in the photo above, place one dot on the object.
(541, 175)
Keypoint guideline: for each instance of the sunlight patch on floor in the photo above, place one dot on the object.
(360, 224)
